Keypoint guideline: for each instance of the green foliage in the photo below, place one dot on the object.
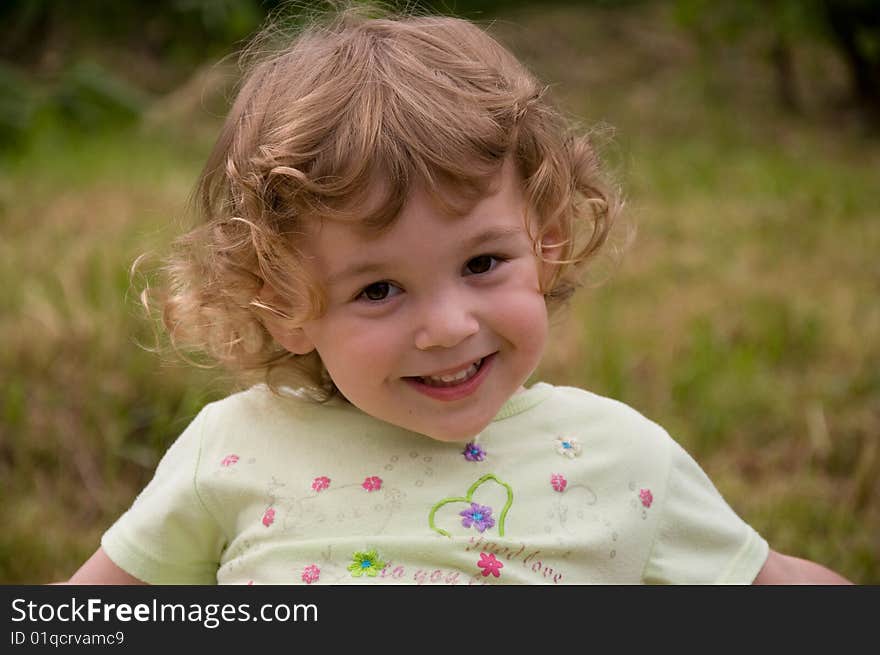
(89, 97)
(729, 20)
(177, 30)
(850, 26)
(17, 107)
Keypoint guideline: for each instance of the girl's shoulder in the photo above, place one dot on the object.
(589, 408)
(607, 427)
(259, 405)
(260, 415)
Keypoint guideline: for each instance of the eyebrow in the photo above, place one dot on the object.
(490, 235)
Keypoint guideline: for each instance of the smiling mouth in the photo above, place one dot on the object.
(451, 380)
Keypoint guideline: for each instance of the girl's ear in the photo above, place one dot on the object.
(551, 244)
(551, 248)
(291, 339)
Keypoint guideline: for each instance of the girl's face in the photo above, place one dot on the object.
(434, 324)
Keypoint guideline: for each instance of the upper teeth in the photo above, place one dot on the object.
(455, 377)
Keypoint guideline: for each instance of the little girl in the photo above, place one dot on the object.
(391, 213)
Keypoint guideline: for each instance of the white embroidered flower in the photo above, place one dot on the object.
(568, 446)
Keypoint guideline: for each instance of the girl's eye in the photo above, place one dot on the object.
(377, 291)
(483, 264)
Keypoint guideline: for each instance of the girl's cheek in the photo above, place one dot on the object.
(366, 339)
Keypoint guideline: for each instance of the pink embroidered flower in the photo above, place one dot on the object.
(646, 497)
(229, 460)
(558, 482)
(310, 574)
(490, 564)
(269, 517)
(372, 483)
(320, 483)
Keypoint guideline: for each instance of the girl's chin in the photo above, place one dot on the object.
(456, 438)
(457, 433)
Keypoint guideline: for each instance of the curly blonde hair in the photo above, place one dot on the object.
(352, 104)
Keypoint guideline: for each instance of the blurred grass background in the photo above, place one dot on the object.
(744, 317)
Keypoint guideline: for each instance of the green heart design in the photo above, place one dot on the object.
(467, 499)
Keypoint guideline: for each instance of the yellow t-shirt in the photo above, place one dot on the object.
(563, 487)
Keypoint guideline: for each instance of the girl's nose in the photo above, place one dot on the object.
(445, 323)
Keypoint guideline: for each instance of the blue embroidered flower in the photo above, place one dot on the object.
(568, 446)
(478, 516)
(473, 453)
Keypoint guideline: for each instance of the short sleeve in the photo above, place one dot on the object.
(700, 539)
(167, 536)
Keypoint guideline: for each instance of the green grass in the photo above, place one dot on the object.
(743, 318)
